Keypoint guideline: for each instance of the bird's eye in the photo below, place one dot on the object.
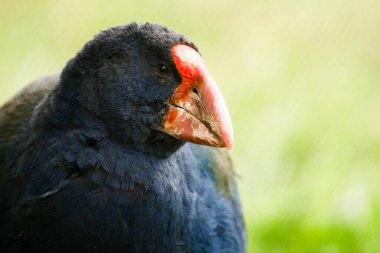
(161, 70)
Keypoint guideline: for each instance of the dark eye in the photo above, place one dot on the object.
(161, 70)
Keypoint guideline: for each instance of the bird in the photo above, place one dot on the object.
(127, 149)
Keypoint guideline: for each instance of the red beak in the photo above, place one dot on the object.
(197, 110)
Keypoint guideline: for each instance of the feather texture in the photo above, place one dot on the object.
(69, 182)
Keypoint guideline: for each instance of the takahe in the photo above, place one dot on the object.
(126, 150)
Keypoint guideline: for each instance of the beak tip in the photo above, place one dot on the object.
(229, 146)
(228, 143)
(226, 130)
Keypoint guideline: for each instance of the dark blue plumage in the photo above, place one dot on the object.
(84, 166)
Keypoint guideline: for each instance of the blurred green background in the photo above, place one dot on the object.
(301, 79)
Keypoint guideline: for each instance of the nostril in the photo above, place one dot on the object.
(194, 90)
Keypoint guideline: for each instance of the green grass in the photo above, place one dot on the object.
(302, 82)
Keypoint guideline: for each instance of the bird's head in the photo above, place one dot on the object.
(150, 86)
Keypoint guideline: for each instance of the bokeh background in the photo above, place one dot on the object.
(301, 79)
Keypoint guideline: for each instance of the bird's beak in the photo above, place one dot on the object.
(197, 111)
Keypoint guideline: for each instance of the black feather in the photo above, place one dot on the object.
(84, 167)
